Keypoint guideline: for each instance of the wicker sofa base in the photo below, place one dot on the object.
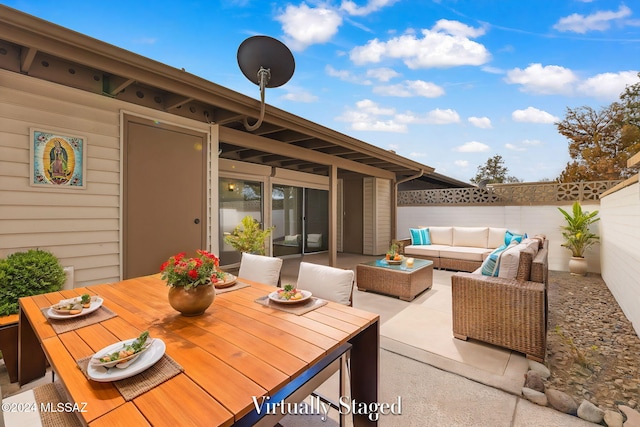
(405, 285)
(504, 312)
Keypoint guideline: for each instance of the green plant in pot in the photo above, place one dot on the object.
(578, 237)
(23, 274)
(248, 236)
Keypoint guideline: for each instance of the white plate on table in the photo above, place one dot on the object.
(147, 359)
(96, 303)
(273, 296)
(229, 280)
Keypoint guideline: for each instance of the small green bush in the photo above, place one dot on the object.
(24, 274)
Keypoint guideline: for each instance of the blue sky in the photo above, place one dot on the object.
(448, 83)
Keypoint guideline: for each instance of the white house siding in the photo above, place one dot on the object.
(80, 227)
(532, 220)
(620, 213)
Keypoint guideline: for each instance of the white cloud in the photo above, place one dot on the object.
(372, 6)
(461, 163)
(547, 80)
(480, 122)
(433, 117)
(514, 147)
(410, 88)
(394, 147)
(598, 21)
(365, 117)
(472, 147)
(382, 74)
(533, 115)
(305, 26)
(608, 86)
(300, 96)
(443, 117)
(346, 76)
(446, 45)
(492, 70)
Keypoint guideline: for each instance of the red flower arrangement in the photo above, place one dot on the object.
(191, 272)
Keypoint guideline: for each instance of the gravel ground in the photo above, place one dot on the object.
(592, 348)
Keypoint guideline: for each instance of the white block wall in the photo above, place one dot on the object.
(532, 220)
(620, 213)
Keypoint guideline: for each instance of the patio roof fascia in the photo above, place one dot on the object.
(24, 29)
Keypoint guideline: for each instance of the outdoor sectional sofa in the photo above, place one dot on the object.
(508, 312)
(456, 248)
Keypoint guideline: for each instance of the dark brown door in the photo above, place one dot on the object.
(164, 194)
(353, 211)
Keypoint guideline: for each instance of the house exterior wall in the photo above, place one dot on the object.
(620, 231)
(376, 215)
(81, 227)
(532, 220)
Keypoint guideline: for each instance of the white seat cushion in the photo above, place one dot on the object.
(260, 268)
(465, 253)
(29, 415)
(329, 283)
(424, 250)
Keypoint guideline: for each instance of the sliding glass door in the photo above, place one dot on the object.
(316, 220)
(286, 216)
(238, 198)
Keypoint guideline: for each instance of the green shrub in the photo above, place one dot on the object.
(24, 274)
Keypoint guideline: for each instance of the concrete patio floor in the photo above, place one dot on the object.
(440, 381)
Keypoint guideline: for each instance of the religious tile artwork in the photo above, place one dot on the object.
(58, 160)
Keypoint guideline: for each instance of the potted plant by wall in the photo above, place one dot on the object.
(24, 274)
(191, 281)
(578, 237)
(248, 236)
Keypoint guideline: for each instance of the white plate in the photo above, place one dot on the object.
(146, 360)
(95, 304)
(229, 280)
(120, 363)
(273, 296)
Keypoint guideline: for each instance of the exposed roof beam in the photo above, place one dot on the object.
(275, 147)
(172, 101)
(26, 59)
(116, 84)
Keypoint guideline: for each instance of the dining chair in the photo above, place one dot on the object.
(331, 284)
(260, 268)
(37, 407)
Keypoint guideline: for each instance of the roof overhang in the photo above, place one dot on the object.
(41, 49)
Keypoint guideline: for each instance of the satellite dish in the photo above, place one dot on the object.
(266, 62)
(483, 183)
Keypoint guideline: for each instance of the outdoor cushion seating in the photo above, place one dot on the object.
(260, 268)
(457, 248)
(511, 311)
(330, 283)
(34, 400)
(314, 241)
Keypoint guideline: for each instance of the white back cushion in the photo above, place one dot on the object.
(511, 258)
(329, 283)
(473, 237)
(496, 237)
(260, 268)
(441, 235)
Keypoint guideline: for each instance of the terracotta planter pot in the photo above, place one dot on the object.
(578, 266)
(191, 302)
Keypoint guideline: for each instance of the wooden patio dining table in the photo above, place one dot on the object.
(237, 351)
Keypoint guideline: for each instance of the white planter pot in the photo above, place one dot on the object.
(578, 266)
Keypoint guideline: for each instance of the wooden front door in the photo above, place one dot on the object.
(164, 194)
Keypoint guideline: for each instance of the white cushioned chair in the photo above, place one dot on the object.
(260, 268)
(31, 400)
(329, 283)
(314, 241)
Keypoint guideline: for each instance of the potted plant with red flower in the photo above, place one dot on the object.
(191, 281)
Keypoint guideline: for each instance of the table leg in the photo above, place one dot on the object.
(9, 347)
(32, 363)
(365, 370)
